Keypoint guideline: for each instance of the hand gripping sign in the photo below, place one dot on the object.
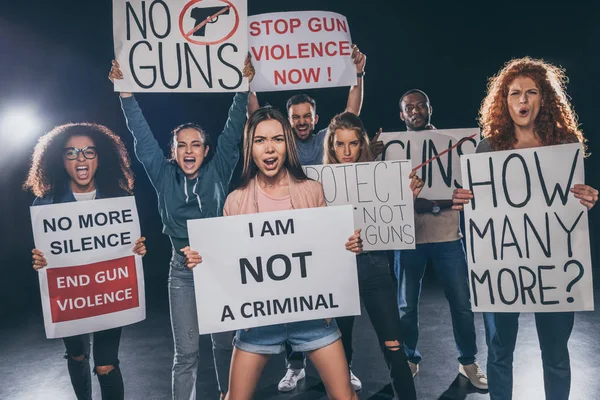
(93, 280)
(300, 50)
(272, 268)
(181, 45)
(528, 244)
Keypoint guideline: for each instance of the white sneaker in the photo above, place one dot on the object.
(474, 374)
(290, 380)
(414, 368)
(355, 382)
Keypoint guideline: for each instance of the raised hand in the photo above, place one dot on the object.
(115, 73)
(360, 60)
(248, 71)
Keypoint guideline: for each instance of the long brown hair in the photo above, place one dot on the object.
(292, 162)
(555, 124)
(47, 174)
(349, 121)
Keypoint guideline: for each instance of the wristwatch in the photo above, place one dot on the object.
(360, 74)
(435, 209)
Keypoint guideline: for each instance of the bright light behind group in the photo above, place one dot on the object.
(18, 125)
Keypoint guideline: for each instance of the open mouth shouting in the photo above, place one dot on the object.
(83, 172)
(271, 163)
(189, 162)
(523, 111)
(302, 130)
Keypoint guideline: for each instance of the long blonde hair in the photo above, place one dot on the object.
(349, 121)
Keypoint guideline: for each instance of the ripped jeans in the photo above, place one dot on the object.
(106, 350)
(186, 337)
(378, 295)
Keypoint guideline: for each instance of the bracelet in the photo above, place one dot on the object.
(360, 74)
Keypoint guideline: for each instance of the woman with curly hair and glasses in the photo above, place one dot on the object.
(80, 162)
(527, 106)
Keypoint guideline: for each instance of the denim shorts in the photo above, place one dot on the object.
(301, 336)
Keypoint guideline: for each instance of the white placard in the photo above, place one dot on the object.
(441, 176)
(381, 198)
(528, 244)
(272, 268)
(93, 280)
(181, 45)
(300, 50)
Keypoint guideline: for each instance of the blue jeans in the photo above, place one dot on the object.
(450, 265)
(184, 323)
(554, 330)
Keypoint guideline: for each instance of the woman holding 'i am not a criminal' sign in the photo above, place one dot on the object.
(273, 180)
(188, 188)
(527, 106)
(82, 162)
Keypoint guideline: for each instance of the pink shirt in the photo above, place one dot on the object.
(268, 203)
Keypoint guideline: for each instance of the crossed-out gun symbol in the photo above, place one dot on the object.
(208, 15)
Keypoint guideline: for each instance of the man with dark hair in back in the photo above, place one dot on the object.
(438, 239)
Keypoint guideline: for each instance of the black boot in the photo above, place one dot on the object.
(111, 385)
(81, 379)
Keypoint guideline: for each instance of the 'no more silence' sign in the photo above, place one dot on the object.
(271, 268)
(528, 242)
(93, 280)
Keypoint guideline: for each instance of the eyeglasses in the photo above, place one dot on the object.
(72, 153)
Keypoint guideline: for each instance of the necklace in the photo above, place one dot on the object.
(271, 184)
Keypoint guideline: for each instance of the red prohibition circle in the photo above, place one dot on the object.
(187, 36)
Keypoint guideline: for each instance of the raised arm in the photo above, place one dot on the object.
(355, 97)
(228, 144)
(147, 149)
(253, 103)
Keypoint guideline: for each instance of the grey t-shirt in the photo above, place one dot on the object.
(310, 151)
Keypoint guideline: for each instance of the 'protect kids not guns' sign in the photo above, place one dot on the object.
(181, 45)
(93, 280)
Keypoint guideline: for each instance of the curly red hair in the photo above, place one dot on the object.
(555, 124)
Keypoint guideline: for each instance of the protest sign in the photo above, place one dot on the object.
(528, 243)
(381, 198)
(441, 176)
(181, 45)
(276, 267)
(93, 280)
(300, 50)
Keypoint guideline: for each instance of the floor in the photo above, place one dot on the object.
(31, 367)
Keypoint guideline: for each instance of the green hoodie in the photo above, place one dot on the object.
(179, 198)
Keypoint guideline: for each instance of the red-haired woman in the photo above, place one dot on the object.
(527, 106)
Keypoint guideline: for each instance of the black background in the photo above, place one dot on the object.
(55, 56)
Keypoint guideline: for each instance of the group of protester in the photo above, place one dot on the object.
(526, 106)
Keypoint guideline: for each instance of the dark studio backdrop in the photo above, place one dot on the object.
(55, 56)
